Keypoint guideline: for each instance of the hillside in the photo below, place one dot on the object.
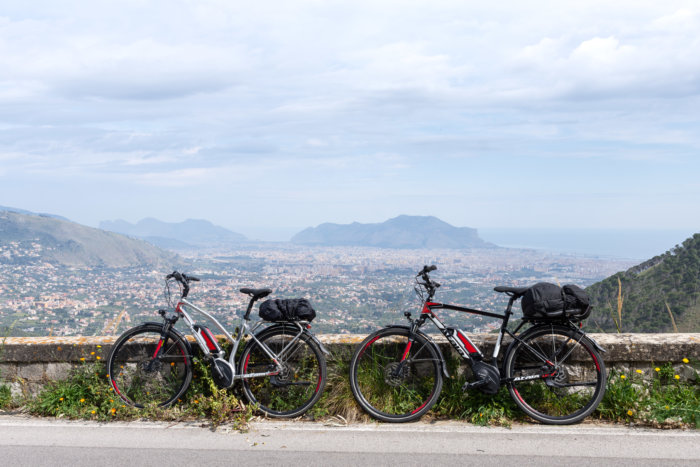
(671, 280)
(400, 232)
(33, 239)
(176, 235)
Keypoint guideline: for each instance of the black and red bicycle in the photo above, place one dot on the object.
(552, 369)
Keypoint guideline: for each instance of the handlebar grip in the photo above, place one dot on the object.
(427, 269)
(190, 278)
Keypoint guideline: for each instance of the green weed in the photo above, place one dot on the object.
(660, 399)
(86, 394)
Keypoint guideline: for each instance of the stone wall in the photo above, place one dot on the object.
(28, 363)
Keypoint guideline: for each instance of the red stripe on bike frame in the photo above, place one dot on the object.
(470, 348)
(427, 305)
(208, 340)
(405, 352)
(426, 401)
(245, 366)
(160, 344)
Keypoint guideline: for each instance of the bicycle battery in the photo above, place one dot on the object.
(208, 338)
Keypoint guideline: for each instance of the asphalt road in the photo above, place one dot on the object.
(32, 441)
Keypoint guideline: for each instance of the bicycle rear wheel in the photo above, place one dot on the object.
(392, 381)
(299, 385)
(143, 379)
(555, 375)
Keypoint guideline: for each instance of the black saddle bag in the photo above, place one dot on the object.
(549, 301)
(290, 309)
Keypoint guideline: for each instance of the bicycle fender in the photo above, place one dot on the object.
(295, 329)
(443, 364)
(174, 331)
(595, 344)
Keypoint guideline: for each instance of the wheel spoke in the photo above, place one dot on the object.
(141, 380)
(298, 381)
(390, 388)
(565, 393)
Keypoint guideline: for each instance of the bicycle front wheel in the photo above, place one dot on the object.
(145, 371)
(298, 386)
(392, 380)
(555, 375)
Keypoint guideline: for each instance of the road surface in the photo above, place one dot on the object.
(36, 441)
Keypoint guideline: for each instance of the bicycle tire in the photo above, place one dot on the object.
(388, 391)
(139, 379)
(298, 387)
(570, 374)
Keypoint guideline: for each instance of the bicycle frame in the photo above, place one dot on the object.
(456, 337)
(244, 329)
(465, 347)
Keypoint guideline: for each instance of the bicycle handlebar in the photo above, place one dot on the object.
(429, 284)
(183, 279)
(426, 270)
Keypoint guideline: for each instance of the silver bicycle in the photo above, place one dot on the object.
(282, 366)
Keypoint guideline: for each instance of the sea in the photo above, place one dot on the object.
(622, 243)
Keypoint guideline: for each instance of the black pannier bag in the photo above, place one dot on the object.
(549, 301)
(290, 309)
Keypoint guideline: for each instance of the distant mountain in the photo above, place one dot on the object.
(36, 239)
(186, 234)
(399, 232)
(649, 290)
(24, 211)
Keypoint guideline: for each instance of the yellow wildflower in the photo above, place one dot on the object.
(685, 360)
(630, 413)
(99, 346)
(93, 412)
(82, 359)
(639, 371)
(113, 410)
(61, 399)
(196, 401)
(92, 353)
(98, 357)
(82, 400)
(623, 376)
(667, 407)
(677, 376)
(657, 369)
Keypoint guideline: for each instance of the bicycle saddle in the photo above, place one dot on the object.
(516, 292)
(256, 293)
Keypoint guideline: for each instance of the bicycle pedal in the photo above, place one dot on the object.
(474, 385)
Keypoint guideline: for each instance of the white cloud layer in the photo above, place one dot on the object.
(290, 105)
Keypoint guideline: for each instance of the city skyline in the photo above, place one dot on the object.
(267, 119)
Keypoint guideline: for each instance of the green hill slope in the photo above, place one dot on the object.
(649, 290)
(32, 239)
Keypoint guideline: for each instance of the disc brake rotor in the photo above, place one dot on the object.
(393, 376)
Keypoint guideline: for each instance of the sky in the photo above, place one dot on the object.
(270, 117)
